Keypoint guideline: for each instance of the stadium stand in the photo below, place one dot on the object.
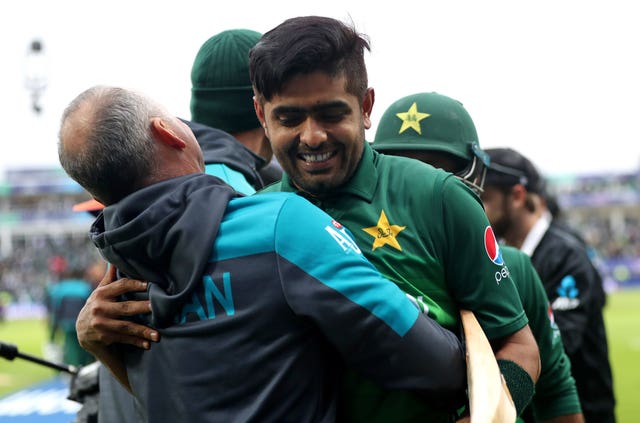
(37, 223)
(604, 209)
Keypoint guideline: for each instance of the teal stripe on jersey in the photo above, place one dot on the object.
(230, 176)
(248, 226)
(307, 237)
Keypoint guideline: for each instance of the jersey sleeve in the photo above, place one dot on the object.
(368, 319)
(478, 277)
(556, 393)
(574, 290)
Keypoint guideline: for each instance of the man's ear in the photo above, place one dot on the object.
(260, 115)
(163, 132)
(519, 194)
(367, 106)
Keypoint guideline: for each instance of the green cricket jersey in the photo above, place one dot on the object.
(556, 392)
(426, 231)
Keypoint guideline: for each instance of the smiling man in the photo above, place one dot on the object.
(317, 165)
(419, 226)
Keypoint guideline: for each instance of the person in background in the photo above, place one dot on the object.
(316, 306)
(514, 198)
(446, 138)
(221, 98)
(64, 300)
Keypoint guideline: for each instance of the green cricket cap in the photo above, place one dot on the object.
(221, 93)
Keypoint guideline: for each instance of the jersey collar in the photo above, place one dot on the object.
(536, 233)
(362, 184)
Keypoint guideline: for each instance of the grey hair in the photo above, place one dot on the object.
(116, 154)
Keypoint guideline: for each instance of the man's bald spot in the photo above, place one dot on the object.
(79, 122)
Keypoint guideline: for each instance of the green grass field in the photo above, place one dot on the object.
(29, 336)
(622, 317)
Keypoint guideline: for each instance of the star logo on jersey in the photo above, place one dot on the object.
(411, 119)
(384, 233)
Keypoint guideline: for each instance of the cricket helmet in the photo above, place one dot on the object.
(437, 123)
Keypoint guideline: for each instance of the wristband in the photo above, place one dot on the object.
(519, 382)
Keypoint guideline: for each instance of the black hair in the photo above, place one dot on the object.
(306, 44)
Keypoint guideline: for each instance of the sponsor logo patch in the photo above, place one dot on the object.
(491, 246)
(501, 274)
(341, 236)
(568, 295)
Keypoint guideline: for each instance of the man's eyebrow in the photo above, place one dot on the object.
(337, 104)
(288, 109)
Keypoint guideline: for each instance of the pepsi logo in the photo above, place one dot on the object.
(491, 246)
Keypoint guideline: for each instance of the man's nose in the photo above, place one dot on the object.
(312, 133)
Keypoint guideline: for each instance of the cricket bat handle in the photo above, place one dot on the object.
(489, 397)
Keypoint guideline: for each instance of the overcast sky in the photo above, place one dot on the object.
(557, 80)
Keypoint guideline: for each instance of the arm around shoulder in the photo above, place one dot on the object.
(100, 324)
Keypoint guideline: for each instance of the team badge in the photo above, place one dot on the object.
(384, 233)
(411, 119)
(491, 246)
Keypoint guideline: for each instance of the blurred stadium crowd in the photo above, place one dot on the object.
(40, 260)
(41, 238)
(605, 210)
(39, 230)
